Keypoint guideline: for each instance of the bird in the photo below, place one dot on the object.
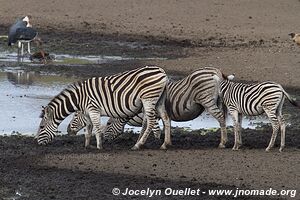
(22, 32)
(295, 37)
(41, 56)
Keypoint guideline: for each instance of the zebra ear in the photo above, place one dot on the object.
(48, 112)
(231, 77)
(43, 112)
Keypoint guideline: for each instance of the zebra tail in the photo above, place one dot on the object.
(293, 101)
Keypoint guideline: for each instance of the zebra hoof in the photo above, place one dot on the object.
(135, 148)
(100, 147)
(163, 147)
(235, 149)
(221, 146)
(281, 149)
(268, 149)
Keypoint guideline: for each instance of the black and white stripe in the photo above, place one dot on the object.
(122, 95)
(255, 99)
(114, 126)
(186, 100)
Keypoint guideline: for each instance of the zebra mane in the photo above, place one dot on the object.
(70, 88)
(224, 76)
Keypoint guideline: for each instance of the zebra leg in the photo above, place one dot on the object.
(282, 125)
(95, 119)
(282, 128)
(156, 130)
(220, 116)
(271, 113)
(148, 122)
(167, 130)
(240, 119)
(235, 115)
(162, 113)
(88, 135)
(142, 131)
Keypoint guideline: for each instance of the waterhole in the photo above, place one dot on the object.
(24, 93)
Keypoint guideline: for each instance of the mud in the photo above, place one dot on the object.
(66, 170)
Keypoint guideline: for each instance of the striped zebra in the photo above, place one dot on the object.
(119, 96)
(186, 100)
(252, 100)
(79, 121)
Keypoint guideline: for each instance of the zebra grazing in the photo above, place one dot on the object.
(79, 121)
(186, 100)
(122, 95)
(255, 99)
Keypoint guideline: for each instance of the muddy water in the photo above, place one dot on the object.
(24, 93)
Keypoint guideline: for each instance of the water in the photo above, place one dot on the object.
(22, 96)
(24, 93)
(6, 56)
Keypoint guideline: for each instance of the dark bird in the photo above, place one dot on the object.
(22, 32)
(295, 37)
(41, 56)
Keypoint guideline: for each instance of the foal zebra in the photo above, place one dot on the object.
(122, 95)
(255, 99)
(79, 121)
(186, 100)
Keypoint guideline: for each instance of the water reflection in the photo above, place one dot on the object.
(22, 96)
(21, 78)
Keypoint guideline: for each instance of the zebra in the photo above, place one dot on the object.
(186, 100)
(79, 121)
(252, 100)
(121, 95)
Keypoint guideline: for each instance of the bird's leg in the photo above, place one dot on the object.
(22, 49)
(28, 47)
(19, 51)
(19, 48)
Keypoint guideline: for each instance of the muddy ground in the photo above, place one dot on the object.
(248, 38)
(65, 170)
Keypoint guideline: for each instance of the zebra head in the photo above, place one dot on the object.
(77, 123)
(113, 129)
(221, 82)
(48, 128)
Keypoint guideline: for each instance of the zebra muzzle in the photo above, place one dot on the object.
(70, 131)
